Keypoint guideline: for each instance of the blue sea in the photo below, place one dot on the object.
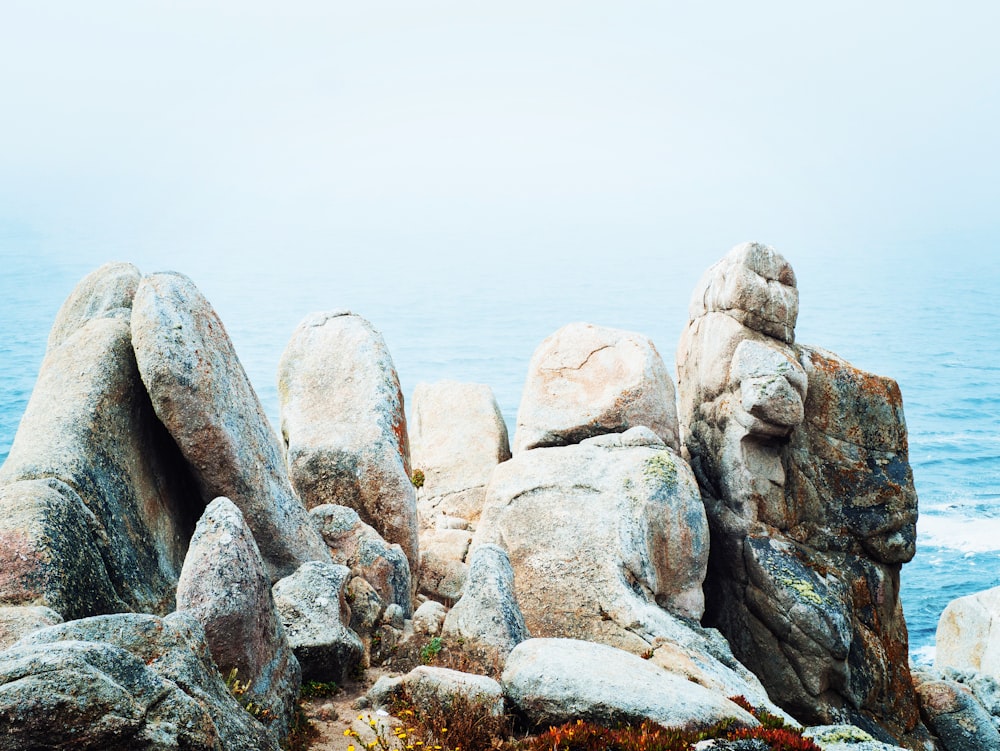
(924, 316)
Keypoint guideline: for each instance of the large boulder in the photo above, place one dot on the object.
(585, 380)
(317, 620)
(600, 535)
(553, 681)
(965, 637)
(344, 427)
(488, 614)
(224, 586)
(97, 504)
(202, 395)
(121, 683)
(802, 463)
(457, 437)
(19, 620)
(428, 686)
(358, 546)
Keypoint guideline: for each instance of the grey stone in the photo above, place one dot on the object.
(429, 617)
(104, 293)
(316, 616)
(224, 586)
(121, 683)
(432, 686)
(552, 681)
(585, 380)
(956, 718)
(344, 427)
(845, 738)
(19, 620)
(202, 395)
(488, 613)
(358, 546)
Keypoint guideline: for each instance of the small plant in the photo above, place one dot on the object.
(431, 650)
(318, 689)
(417, 478)
(239, 692)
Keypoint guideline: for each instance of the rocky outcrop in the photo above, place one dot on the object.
(586, 380)
(224, 586)
(121, 683)
(802, 463)
(202, 395)
(966, 639)
(97, 504)
(343, 425)
(553, 681)
(457, 437)
(426, 686)
(316, 617)
(358, 546)
(443, 567)
(845, 738)
(488, 615)
(429, 618)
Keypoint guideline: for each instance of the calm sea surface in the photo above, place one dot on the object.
(926, 319)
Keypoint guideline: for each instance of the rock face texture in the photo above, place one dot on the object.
(18, 620)
(457, 437)
(553, 681)
(597, 530)
(488, 613)
(431, 686)
(343, 425)
(966, 639)
(97, 504)
(955, 716)
(121, 683)
(224, 586)
(316, 617)
(358, 546)
(202, 395)
(585, 380)
(802, 463)
(104, 293)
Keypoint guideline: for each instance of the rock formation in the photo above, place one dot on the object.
(225, 587)
(802, 463)
(585, 380)
(316, 617)
(97, 504)
(202, 395)
(118, 683)
(343, 425)
(965, 637)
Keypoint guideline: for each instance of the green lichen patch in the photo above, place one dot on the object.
(660, 469)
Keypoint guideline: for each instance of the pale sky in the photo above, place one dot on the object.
(521, 132)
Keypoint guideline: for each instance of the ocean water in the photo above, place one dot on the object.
(926, 318)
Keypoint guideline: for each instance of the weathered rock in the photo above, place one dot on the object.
(845, 738)
(316, 616)
(366, 606)
(358, 546)
(18, 620)
(599, 537)
(224, 586)
(966, 639)
(488, 613)
(203, 396)
(552, 681)
(443, 569)
(104, 293)
(430, 686)
(457, 437)
(585, 380)
(98, 505)
(429, 617)
(344, 427)
(956, 718)
(802, 463)
(121, 683)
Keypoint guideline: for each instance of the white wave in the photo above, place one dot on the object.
(924, 656)
(964, 534)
